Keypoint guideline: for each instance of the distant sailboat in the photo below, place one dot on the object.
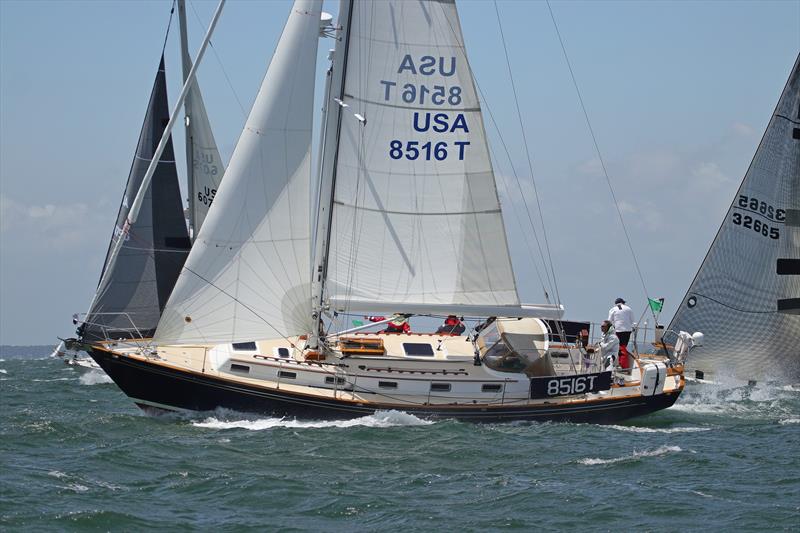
(136, 282)
(746, 294)
(408, 221)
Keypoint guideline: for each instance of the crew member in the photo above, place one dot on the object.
(621, 316)
(452, 326)
(608, 346)
(398, 324)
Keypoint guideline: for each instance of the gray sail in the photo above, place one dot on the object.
(129, 302)
(746, 296)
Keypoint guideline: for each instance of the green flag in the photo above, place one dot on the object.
(358, 323)
(656, 305)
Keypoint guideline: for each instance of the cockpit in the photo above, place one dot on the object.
(516, 345)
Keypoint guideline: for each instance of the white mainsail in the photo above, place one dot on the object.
(416, 220)
(734, 298)
(248, 275)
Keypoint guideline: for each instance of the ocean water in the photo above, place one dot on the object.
(76, 454)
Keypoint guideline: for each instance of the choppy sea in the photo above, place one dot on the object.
(76, 454)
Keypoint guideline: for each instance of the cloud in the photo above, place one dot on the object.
(743, 130)
(708, 177)
(47, 228)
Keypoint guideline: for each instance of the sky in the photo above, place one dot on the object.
(678, 95)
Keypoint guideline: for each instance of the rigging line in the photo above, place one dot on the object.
(535, 263)
(525, 234)
(235, 299)
(152, 254)
(599, 155)
(484, 100)
(221, 66)
(169, 25)
(527, 154)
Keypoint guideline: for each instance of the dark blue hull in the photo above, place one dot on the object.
(154, 385)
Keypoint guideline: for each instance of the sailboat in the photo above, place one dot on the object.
(746, 294)
(402, 217)
(136, 282)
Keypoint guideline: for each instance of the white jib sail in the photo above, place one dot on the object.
(248, 275)
(416, 218)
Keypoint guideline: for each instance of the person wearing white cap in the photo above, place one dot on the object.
(621, 316)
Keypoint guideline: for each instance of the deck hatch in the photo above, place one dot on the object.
(418, 349)
(244, 346)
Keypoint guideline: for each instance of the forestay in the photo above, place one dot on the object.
(248, 275)
(734, 298)
(416, 218)
(136, 283)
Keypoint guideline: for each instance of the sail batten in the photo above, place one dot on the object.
(248, 274)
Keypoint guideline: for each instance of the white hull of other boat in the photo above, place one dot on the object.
(74, 357)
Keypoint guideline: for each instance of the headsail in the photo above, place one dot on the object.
(137, 283)
(734, 298)
(248, 274)
(204, 164)
(416, 218)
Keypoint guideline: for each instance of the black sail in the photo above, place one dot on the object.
(746, 295)
(132, 294)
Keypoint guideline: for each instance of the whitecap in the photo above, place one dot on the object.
(3, 371)
(57, 474)
(94, 378)
(661, 450)
(637, 429)
(380, 419)
(789, 421)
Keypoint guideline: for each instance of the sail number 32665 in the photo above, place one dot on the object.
(761, 208)
(756, 225)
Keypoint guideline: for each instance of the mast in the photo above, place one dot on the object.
(328, 153)
(186, 62)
